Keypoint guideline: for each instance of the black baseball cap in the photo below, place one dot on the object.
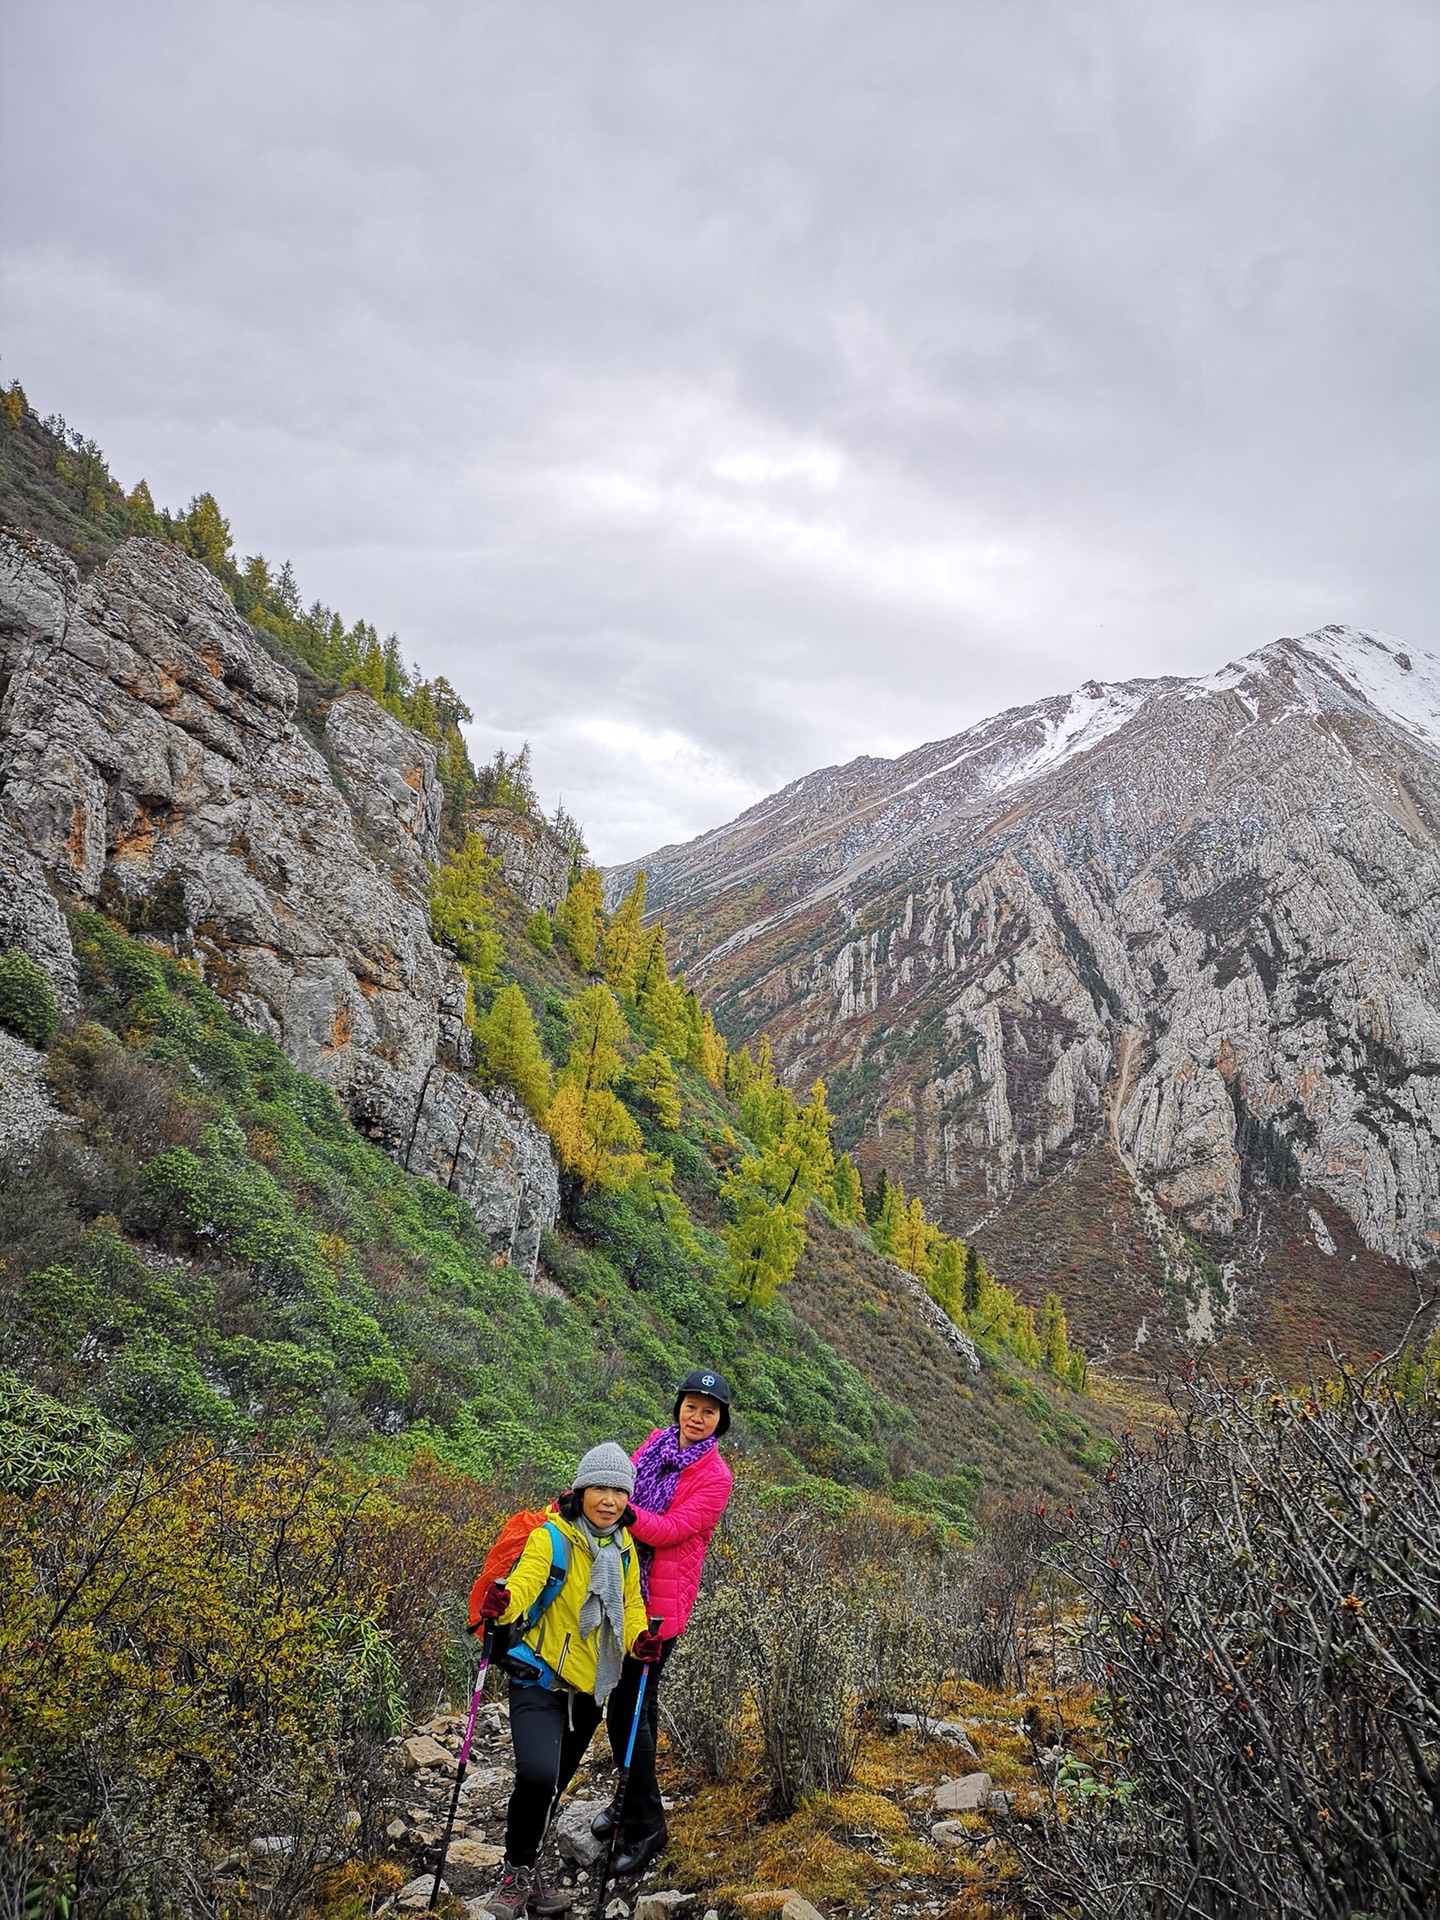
(713, 1385)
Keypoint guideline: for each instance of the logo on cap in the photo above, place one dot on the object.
(707, 1379)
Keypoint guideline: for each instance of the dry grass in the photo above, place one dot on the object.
(866, 1847)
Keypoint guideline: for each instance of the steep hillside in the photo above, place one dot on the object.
(1138, 986)
(262, 1173)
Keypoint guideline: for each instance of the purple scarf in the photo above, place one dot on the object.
(657, 1472)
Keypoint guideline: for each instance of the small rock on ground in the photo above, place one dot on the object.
(797, 1907)
(950, 1833)
(474, 1853)
(662, 1906)
(421, 1750)
(416, 1892)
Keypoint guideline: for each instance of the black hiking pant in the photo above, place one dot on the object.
(551, 1732)
(644, 1813)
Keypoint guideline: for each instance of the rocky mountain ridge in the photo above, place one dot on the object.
(1169, 946)
(151, 760)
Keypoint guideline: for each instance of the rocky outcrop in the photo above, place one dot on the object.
(149, 758)
(1193, 925)
(30, 916)
(534, 861)
(388, 773)
(26, 1110)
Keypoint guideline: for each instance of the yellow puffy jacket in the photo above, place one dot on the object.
(556, 1636)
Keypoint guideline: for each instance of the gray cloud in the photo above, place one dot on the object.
(715, 392)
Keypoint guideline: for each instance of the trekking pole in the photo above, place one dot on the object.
(464, 1759)
(622, 1785)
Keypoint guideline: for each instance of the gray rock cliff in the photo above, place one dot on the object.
(148, 751)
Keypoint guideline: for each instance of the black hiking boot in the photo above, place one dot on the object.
(636, 1854)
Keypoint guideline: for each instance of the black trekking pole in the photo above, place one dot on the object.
(622, 1785)
(464, 1759)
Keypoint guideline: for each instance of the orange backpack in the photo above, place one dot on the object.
(500, 1564)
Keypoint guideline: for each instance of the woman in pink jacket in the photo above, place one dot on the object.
(681, 1486)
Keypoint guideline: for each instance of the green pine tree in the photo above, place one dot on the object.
(510, 1049)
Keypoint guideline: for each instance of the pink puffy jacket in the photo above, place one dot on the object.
(681, 1536)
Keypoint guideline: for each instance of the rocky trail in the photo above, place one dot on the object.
(953, 1812)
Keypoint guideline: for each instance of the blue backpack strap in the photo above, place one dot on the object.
(554, 1580)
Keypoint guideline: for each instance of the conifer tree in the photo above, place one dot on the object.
(624, 938)
(539, 932)
(810, 1129)
(593, 1134)
(511, 1049)
(875, 1198)
(1054, 1343)
(206, 532)
(578, 917)
(652, 963)
(947, 1277)
(887, 1227)
(460, 910)
(740, 1073)
(661, 1001)
(654, 1079)
(849, 1196)
(1024, 1341)
(765, 1237)
(974, 1281)
(713, 1054)
(914, 1239)
(764, 1061)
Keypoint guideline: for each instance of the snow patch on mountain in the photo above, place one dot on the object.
(1401, 682)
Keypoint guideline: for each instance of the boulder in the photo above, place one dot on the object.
(963, 1796)
(572, 1834)
(421, 1751)
(950, 1731)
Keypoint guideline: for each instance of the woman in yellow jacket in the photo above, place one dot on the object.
(564, 1667)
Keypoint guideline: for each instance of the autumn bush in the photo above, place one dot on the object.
(819, 1613)
(1262, 1623)
(202, 1649)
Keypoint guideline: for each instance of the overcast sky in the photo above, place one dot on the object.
(717, 389)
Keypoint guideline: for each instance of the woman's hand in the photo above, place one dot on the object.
(648, 1649)
(494, 1600)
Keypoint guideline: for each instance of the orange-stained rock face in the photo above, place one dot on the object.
(148, 750)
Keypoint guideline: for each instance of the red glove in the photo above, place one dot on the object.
(647, 1649)
(494, 1600)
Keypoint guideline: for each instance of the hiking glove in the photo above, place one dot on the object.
(647, 1649)
(494, 1600)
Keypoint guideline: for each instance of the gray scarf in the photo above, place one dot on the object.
(603, 1607)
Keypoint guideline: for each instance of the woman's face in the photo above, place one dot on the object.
(602, 1506)
(699, 1417)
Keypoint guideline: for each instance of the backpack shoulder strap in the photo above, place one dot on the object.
(554, 1580)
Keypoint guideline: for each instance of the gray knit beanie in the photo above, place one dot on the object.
(607, 1465)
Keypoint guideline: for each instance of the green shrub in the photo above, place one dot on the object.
(28, 1007)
